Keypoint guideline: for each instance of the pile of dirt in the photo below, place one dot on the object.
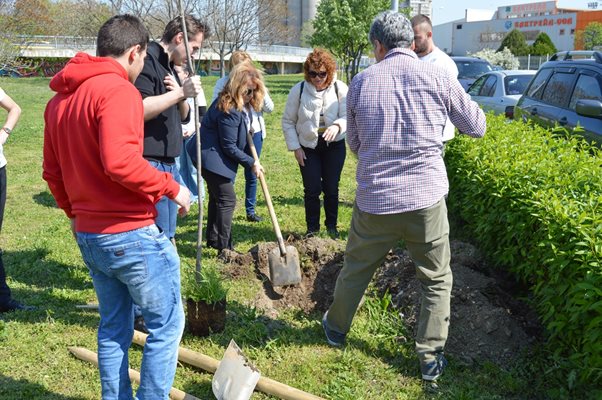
(488, 322)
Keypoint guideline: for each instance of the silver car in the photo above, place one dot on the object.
(499, 91)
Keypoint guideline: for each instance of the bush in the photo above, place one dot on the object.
(543, 45)
(504, 58)
(533, 201)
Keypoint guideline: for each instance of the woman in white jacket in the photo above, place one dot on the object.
(314, 125)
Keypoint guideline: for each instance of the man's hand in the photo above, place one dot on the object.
(192, 86)
(331, 132)
(3, 137)
(170, 83)
(300, 156)
(183, 200)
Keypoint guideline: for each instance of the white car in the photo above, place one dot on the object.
(499, 91)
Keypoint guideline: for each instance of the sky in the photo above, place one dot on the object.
(450, 10)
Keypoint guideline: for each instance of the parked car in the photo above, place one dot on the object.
(567, 91)
(499, 91)
(470, 68)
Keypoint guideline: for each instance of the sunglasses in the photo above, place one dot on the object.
(249, 92)
(315, 74)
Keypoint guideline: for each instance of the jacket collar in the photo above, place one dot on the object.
(155, 50)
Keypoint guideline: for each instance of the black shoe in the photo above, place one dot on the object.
(333, 233)
(14, 305)
(310, 233)
(140, 325)
(254, 218)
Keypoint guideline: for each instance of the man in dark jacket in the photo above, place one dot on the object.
(165, 106)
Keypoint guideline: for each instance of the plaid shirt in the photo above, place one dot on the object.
(396, 111)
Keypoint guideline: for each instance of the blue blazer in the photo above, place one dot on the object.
(223, 142)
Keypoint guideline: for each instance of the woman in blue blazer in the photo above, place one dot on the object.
(224, 146)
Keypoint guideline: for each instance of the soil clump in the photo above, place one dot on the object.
(488, 321)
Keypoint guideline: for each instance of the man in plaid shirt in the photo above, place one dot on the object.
(396, 112)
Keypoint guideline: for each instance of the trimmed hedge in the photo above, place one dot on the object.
(533, 201)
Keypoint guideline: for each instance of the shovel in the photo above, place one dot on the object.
(236, 377)
(284, 260)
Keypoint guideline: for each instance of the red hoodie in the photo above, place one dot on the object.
(93, 137)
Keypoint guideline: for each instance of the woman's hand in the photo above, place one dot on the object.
(300, 156)
(3, 137)
(187, 133)
(331, 132)
(257, 168)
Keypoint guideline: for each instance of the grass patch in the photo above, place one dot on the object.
(45, 269)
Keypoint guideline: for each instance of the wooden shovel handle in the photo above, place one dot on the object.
(268, 199)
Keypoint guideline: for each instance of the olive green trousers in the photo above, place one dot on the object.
(426, 235)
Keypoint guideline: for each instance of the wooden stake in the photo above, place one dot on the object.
(265, 385)
(87, 355)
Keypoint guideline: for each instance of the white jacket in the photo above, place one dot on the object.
(301, 119)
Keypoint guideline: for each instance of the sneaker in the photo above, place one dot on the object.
(254, 218)
(140, 325)
(434, 369)
(14, 305)
(333, 338)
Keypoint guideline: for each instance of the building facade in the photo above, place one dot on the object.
(480, 30)
(300, 12)
(418, 7)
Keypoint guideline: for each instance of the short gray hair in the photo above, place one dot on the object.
(392, 30)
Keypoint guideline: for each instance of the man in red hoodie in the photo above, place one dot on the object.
(93, 140)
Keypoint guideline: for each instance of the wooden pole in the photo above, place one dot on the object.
(87, 355)
(197, 124)
(265, 385)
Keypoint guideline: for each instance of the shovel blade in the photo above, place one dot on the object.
(284, 270)
(236, 377)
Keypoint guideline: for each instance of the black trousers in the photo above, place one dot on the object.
(322, 173)
(220, 210)
(4, 289)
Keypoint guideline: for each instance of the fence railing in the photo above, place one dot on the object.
(532, 62)
(84, 43)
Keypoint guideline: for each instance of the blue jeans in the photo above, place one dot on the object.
(139, 266)
(187, 172)
(167, 210)
(251, 179)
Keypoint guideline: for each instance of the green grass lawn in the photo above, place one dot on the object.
(45, 269)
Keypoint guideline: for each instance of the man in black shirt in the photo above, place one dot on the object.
(165, 106)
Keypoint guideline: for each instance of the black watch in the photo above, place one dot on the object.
(7, 130)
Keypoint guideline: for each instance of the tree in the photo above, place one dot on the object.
(342, 27)
(516, 43)
(590, 37)
(79, 18)
(30, 17)
(543, 45)
(236, 24)
(504, 58)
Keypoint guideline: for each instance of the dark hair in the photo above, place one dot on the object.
(320, 58)
(120, 33)
(392, 30)
(193, 27)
